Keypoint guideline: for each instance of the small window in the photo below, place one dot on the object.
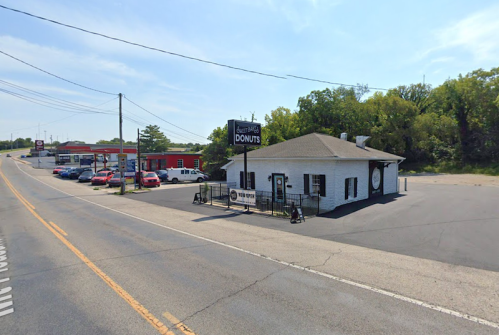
(316, 184)
(180, 163)
(350, 188)
(193, 172)
(196, 163)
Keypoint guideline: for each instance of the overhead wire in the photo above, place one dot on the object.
(52, 105)
(59, 101)
(143, 46)
(190, 132)
(53, 75)
(168, 131)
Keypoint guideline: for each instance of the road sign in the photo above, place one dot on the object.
(39, 145)
(122, 162)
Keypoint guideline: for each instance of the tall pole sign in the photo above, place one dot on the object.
(246, 134)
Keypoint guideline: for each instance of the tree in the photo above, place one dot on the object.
(153, 140)
(419, 94)
(280, 126)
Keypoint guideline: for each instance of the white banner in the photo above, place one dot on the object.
(243, 197)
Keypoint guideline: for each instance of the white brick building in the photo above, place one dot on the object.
(316, 164)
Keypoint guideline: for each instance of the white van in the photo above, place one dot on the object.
(181, 174)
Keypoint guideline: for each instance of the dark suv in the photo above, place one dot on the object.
(75, 173)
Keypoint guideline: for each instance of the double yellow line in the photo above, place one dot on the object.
(58, 232)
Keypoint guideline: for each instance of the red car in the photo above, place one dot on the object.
(57, 169)
(101, 178)
(150, 179)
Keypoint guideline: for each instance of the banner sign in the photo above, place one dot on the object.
(243, 197)
(244, 133)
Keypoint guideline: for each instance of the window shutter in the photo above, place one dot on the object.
(241, 179)
(306, 184)
(346, 189)
(355, 188)
(252, 176)
(323, 185)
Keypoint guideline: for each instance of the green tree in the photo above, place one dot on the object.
(153, 140)
(419, 94)
(280, 125)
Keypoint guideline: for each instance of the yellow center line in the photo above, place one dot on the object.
(180, 326)
(158, 325)
(58, 228)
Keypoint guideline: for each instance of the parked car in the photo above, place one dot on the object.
(101, 178)
(65, 172)
(8, 155)
(162, 174)
(75, 173)
(57, 169)
(86, 176)
(115, 180)
(149, 179)
(23, 156)
(182, 174)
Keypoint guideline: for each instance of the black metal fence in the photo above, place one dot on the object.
(266, 202)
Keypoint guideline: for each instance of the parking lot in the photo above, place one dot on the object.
(456, 224)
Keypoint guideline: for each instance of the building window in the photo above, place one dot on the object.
(314, 184)
(350, 188)
(251, 180)
(196, 164)
(180, 163)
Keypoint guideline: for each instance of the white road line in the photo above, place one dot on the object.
(323, 274)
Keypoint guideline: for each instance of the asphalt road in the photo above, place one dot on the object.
(449, 223)
(80, 265)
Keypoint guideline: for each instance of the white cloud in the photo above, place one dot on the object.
(476, 34)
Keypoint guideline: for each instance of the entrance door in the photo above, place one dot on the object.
(278, 187)
(376, 172)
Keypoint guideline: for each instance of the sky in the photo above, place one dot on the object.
(382, 44)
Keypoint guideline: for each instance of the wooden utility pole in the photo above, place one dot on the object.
(122, 172)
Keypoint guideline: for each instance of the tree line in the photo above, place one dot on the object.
(456, 122)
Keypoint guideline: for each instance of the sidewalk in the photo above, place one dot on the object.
(466, 290)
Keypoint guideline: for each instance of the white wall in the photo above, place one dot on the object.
(390, 178)
(351, 169)
(336, 172)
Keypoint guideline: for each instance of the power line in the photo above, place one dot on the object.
(143, 46)
(171, 53)
(51, 104)
(59, 102)
(69, 81)
(169, 132)
(340, 84)
(190, 132)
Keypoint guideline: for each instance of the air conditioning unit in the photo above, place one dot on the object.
(343, 136)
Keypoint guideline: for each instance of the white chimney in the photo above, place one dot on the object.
(360, 141)
(343, 136)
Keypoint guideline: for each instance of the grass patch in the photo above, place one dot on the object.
(491, 169)
(96, 188)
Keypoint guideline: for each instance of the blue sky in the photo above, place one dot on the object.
(379, 43)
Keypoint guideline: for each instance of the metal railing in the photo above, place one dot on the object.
(266, 202)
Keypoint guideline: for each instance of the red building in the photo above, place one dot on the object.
(167, 160)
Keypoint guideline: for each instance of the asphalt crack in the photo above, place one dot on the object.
(229, 296)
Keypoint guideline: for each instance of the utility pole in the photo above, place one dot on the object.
(122, 172)
(11, 141)
(45, 139)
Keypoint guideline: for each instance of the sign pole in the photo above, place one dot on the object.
(246, 172)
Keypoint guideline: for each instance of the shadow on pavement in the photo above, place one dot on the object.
(353, 207)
